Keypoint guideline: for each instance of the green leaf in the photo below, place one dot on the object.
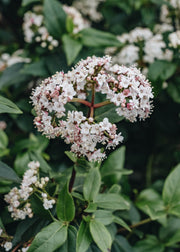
(26, 2)
(22, 228)
(3, 139)
(21, 163)
(7, 106)
(8, 173)
(151, 198)
(104, 216)
(114, 162)
(95, 38)
(72, 47)
(44, 166)
(55, 18)
(171, 192)
(72, 156)
(12, 75)
(36, 69)
(161, 70)
(121, 244)
(70, 243)
(50, 238)
(170, 234)
(92, 184)
(121, 222)
(151, 243)
(83, 237)
(69, 24)
(100, 235)
(65, 205)
(108, 111)
(91, 208)
(111, 201)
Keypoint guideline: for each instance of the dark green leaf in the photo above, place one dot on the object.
(8, 173)
(92, 184)
(26, 2)
(96, 38)
(72, 47)
(36, 69)
(149, 244)
(121, 245)
(83, 237)
(161, 70)
(44, 166)
(108, 111)
(171, 192)
(12, 75)
(50, 238)
(55, 18)
(70, 243)
(65, 205)
(7, 106)
(3, 139)
(100, 235)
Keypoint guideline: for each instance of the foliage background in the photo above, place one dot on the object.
(152, 146)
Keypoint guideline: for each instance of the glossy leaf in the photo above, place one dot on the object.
(7, 106)
(55, 18)
(149, 244)
(72, 48)
(100, 235)
(92, 184)
(112, 201)
(171, 191)
(83, 237)
(95, 38)
(8, 173)
(70, 243)
(65, 205)
(49, 238)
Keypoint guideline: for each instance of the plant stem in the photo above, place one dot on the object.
(92, 101)
(136, 225)
(72, 179)
(81, 101)
(101, 104)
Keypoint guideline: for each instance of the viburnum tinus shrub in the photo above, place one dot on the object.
(80, 207)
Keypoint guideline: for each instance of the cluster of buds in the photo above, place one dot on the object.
(18, 199)
(35, 30)
(124, 87)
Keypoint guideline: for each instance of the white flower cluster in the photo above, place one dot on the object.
(79, 22)
(7, 246)
(89, 8)
(141, 46)
(7, 60)
(126, 87)
(35, 30)
(18, 198)
(174, 39)
(47, 203)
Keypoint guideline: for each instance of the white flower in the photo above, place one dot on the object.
(8, 246)
(174, 39)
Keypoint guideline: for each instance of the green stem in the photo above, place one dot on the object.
(72, 179)
(136, 225)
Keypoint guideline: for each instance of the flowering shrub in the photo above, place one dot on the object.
(89, 94)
